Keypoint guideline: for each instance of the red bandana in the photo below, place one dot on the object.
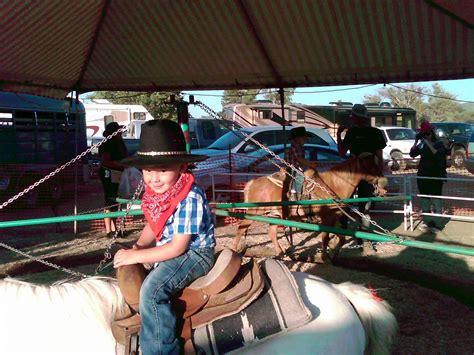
(159, 207)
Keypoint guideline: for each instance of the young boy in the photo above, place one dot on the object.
(295, 156)
(178, 236)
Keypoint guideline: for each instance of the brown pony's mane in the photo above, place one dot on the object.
(343, 171)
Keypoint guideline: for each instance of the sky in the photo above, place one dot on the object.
(463, 89)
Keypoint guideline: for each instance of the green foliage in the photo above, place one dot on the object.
(250, 96)
(434, 104)
(372, 99)
(239, 96)
(154, 102)
(274, 96)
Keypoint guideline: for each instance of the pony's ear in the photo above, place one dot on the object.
(309, 173)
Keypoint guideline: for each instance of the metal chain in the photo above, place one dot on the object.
(44, 262)
(121, 227)
(36, 184)
(309, 180)
(40, 181)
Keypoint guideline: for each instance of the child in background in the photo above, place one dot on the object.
(178, 236)
(295, 156)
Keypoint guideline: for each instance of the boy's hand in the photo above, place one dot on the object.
(125, 257)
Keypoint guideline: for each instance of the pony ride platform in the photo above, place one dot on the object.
(230, 307)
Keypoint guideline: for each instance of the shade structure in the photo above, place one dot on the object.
(52, 47)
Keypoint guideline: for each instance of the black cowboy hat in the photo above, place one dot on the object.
(359, 111)
(299, 132)
(161, 143)
(112, 127)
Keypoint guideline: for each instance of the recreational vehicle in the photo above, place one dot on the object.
(265, 113)
(100, 112)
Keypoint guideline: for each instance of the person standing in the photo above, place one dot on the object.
(432, 152)
(110, 153)
(360, 138)
(178, 236)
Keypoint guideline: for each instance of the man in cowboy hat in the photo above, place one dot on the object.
(178, 236)
(359, 139)
(295, 156)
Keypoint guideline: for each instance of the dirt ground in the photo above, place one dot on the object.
(430, 292)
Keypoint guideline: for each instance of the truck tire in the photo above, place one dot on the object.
(398, 157)
(459, 158)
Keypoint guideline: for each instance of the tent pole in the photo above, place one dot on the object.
(75, 165)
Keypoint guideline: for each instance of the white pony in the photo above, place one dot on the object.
(75, 318)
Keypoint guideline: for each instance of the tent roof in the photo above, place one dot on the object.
(53, 47)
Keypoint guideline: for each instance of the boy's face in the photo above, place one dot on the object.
(161, 179)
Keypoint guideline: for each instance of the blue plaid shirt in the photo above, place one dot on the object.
(192, 216)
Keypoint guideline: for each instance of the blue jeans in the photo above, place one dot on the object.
(298, 180)
(158, 328)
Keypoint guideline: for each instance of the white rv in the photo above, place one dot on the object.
(100, 112)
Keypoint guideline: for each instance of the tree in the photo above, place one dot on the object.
(155, 102)
(411, 96)
(440, 109)
(249, 96)
(239, 96)
(274, 96)
(372, 99)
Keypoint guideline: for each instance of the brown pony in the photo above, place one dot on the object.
(340, 182)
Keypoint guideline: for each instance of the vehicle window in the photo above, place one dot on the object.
(266, 138)
(194, 142)
(465, 129)
(315, 139)
(472, 137)
(280, 136)
(208, 130)
(400, 134)
(231, 139)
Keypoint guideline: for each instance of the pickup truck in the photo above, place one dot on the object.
(458, 134)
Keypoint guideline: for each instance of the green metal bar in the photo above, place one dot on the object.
(123, 200)
(312, 202)
(82, 217)
(358, 234)
(292, 203)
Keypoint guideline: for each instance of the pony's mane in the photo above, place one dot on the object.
(94, 292)
(351, 163)
(86, 307)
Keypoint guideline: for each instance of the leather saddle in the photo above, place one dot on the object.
(228, 288)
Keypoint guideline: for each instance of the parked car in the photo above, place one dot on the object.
(236, 142)
(470, 154)
(217, 173)
(204, 131)
(458, 135)
(399, 142)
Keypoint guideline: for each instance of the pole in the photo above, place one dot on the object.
(75, 165)
(183, 120)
